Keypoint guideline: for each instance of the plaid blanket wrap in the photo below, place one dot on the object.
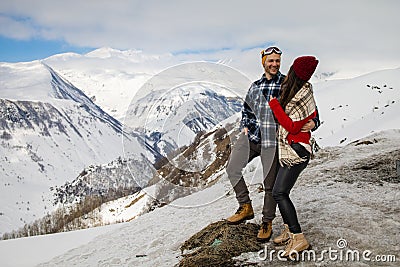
(300, 107)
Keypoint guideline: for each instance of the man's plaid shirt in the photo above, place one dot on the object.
(256, 114)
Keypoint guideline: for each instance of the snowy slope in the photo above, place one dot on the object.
(183, 100)
(350, 109)
(171, 120)
(126, 209)
(329, 208)
(114, 77)
(353, 108)
(43, 248)
(120, 81)
(110, 77)
(49, 132)
(72, 131)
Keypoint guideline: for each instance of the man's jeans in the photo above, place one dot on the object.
(242, 153)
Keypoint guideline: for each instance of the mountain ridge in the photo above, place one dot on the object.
(49, 141)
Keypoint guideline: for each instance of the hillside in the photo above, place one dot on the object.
(59, 145)
(111, 77)
(354, 108)
(50, 131)
(336, 197)
(369, 104)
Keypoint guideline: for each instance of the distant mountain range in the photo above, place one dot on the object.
(50, 131)
(74, 125)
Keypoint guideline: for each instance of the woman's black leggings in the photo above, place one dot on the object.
(285, 180)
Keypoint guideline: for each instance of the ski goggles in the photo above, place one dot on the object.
(270, 50)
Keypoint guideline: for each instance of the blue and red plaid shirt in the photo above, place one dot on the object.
(256, 114)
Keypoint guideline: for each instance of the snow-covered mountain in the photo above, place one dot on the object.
(110, 77)
(172, 119)
(58, 131)
(186, 104)
(336, 197)
(50, 131)
(155, 109)
(349, 110)
(56, 135)
(354, 108)
(114, 77)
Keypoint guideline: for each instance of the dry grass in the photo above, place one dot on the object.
(216, 244)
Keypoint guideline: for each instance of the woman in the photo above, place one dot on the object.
(296, 106)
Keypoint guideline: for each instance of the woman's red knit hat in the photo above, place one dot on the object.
(304, 67)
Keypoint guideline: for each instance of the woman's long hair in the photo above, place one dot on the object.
(290, 86)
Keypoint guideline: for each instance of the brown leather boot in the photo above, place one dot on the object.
(296, 244)
(283, 237)
(245, 212)
(265, 232)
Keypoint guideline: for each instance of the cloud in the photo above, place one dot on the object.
(345, 35)
(15, 29)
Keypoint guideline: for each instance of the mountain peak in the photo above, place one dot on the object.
(107, 52)
(25, 81)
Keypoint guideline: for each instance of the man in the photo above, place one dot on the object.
(258, 138)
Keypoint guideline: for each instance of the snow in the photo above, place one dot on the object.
(24, 81)
(112, 76)
(25, 187)
(328, 210)
(350, 109)
(43, 248)
(49, 144)
(353, 108)
(126, 208)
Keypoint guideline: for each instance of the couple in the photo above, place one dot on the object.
(276, 102)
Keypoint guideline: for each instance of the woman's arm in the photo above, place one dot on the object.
(292, 127)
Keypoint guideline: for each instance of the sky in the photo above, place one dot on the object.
(348, 36)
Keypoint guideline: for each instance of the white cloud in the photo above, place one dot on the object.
(15, 29)
(350, 36)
